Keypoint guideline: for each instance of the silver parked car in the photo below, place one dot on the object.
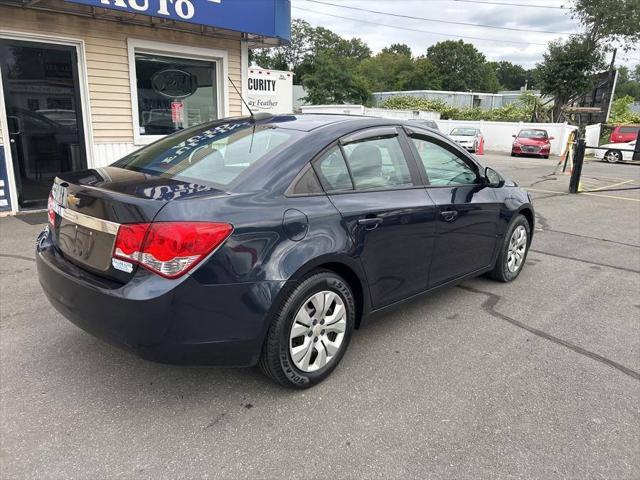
(468, 138)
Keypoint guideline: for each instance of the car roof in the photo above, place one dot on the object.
(314, 121)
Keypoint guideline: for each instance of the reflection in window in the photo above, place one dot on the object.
(442, 166)
(214, 155)
(174, 93)
(333, 171)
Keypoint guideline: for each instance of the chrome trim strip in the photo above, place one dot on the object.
(87, 221)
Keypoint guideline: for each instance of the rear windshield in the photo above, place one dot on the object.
(532, 134)
(465, 132)
(212, 155)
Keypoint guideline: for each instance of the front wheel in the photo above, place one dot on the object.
(513, 252)
(310, 332)
(612, 156)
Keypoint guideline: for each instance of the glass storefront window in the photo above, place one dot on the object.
(174, 93)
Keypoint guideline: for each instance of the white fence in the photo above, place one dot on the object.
(498, 136)
(370, 112)
(592, 137)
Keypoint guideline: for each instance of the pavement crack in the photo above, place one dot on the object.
(544, 178)
(18, 257)
(592, 238)
(542, 221)
(489, 306)
(588, 262)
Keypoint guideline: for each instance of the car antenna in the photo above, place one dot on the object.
(241, 98)
(253, 117)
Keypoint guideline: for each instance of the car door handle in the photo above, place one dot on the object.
(370, 223)
(449, 215)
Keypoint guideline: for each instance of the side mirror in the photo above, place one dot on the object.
(492, 178)
(514, 135)
(551, 138)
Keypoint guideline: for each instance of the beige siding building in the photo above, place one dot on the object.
(83, 86)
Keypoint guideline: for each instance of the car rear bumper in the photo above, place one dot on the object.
(180, 322)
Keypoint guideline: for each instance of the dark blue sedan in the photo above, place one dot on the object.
(268, 240)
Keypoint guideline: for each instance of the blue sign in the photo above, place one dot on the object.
(269, 18)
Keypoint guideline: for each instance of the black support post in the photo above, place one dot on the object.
(636, 153)
(578, 159)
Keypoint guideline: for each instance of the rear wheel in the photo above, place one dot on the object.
(513, 252)
(310, 333)
(612, 156)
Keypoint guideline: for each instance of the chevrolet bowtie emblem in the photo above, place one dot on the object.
(72, 200)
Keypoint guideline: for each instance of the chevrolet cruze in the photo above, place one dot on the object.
(268, 240)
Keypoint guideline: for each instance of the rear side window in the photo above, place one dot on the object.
(216, 155)
(443, 167)
(333, 171)
(629, 129)
(378, 163)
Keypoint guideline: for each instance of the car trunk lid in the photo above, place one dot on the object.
(90, 206)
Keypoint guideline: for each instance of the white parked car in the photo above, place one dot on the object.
(467, 137)
(614, 152)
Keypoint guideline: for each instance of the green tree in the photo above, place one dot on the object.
(567, 70)
(425, 76)
(510, 76)
(621, 113)
(627, 85)
(291, 56)
(333, 81)
(567, 67)
(609, 22)
(398, 49)
(386, 71)
(462, 67)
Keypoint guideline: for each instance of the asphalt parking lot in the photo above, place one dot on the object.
(534, 379)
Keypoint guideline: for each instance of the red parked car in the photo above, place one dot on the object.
(624, 133)
(531, 141)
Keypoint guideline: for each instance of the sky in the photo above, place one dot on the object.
(524, 45)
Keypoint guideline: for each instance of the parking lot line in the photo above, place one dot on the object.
(610, 196)
(609, 186)
(541, 190)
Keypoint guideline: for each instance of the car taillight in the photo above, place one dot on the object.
(51, 213)
(169, 249)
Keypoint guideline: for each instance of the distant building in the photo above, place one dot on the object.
(485, 101)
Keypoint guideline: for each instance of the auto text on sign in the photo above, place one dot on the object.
(183, 8)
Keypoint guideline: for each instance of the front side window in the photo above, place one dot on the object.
(214, 155)
(174, 93)
(443, 167)
(378, 163)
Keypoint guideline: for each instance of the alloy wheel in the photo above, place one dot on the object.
(517, 249)
(318, 331)
(612, 156)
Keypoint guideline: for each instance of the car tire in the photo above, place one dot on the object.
(503, 270)
(545, 156)
(277, 359)
(612, 156)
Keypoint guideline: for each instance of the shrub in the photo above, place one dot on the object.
(521, 111)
